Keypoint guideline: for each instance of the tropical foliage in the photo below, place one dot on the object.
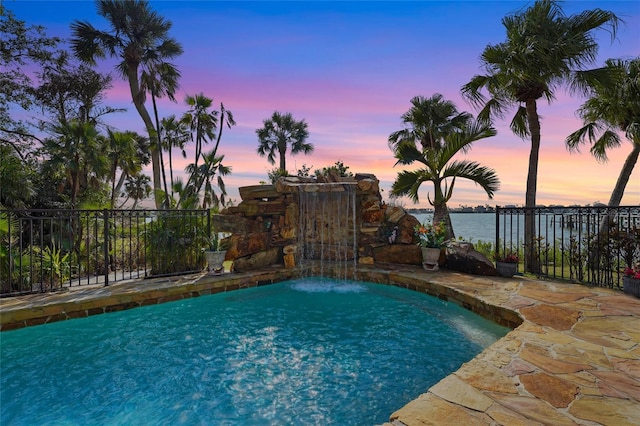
(280, 132)
(16, 180)
(203, 126)
(140, 38)
(76, 152)
(544, 50)
(127, 153)
(612, 110)
(23, 49)
(436, 132)
(338, 169)
(79, 159)
(170, 234)
(174, 134)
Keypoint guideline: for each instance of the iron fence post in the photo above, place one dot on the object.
(106, 247)
(497, 248)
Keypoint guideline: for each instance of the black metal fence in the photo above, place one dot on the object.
(47, 250)
(589, 245)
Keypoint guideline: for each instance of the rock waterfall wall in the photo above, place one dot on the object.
(265, 224)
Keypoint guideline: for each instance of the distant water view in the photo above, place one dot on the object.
(471, 227)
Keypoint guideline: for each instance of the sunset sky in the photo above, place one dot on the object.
(349, 69)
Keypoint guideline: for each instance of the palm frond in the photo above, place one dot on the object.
(407, 183)
(519, 124)
(586, 133)
(607, 140)
(462, 141)
(472, 91)
(407, 154)
(486, 177)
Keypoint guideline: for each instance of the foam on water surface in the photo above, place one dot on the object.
(325, 285)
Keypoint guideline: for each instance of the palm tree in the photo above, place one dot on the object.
(138, 36)
(201, 121)
(174, 134)
(76, 149)
(436, 133)
(202, 124)
(428, 120)
(123, 155)
(611, 110)
(226, 118)
(160, 79)
(211, 166)
(278, 132)
(544, 50)
(203, 177)
(138, 188)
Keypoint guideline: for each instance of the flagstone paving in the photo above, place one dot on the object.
(572, 358)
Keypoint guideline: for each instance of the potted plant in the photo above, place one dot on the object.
(215, 254)
(507, 265)
(631, 280)
(431, 238)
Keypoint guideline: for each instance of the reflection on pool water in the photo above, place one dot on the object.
(309, 351)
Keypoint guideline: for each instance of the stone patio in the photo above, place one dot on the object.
(573, 356)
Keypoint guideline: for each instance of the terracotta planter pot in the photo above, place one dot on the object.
(631, 286)
(430, 257)
(506, 269)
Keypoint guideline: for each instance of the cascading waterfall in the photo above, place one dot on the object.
(327, 227)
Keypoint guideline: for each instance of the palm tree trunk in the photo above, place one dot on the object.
(170, 169)
(215, 149)
(164, 176)
(283, 152)
(134, 87)
(440, 209)
(441, 214)
(198, 150)
(118, 187)
(75, 181)
(621, 184)
(625, 174)
(531, 263)
(114, 167)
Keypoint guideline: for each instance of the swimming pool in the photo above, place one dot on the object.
(308, 351)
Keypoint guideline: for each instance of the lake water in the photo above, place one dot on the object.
(471, 227)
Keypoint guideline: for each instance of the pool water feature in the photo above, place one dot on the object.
(307, 351)
(327, 228)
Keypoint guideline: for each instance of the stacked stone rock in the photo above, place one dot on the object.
(264, 225)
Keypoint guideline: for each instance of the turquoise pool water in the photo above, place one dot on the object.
(305, 352)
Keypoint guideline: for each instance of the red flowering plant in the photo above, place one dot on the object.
(632, 272)
(509, 257)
